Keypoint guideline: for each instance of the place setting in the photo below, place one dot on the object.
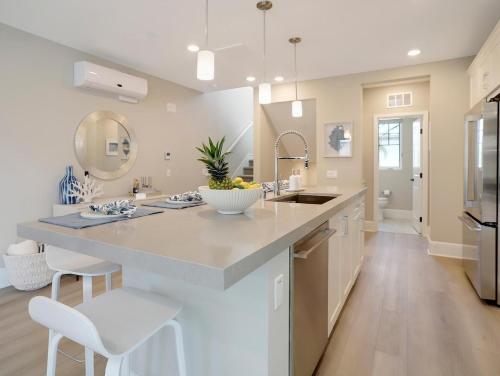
(99, 214)
(179, 201)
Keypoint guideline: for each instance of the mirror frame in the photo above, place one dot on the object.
(79, 145)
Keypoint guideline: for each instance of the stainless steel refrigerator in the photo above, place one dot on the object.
(481, 199)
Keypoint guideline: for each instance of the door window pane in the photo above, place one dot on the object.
(389, 144)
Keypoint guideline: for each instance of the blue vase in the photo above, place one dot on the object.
(65, 186)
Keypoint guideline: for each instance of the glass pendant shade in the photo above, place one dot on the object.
(205, 70)
(297, 109)
(264, 93)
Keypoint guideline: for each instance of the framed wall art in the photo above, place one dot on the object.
(338, 139)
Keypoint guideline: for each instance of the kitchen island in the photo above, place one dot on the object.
(223, 268)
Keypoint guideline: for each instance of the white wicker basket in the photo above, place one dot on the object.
(28, 272)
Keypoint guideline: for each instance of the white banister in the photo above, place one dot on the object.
(240, 136)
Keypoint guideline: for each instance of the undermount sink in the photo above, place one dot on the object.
(305, 199)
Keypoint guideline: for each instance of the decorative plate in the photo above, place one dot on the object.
(96, 215)
(183, 202)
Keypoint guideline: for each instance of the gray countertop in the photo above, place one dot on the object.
(197, 244)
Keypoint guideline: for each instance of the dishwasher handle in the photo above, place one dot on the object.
(316, 240)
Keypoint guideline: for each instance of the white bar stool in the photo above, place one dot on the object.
(112, 324)
(63, 262)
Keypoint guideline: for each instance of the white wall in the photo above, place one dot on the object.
(40, 111)
(341, 99)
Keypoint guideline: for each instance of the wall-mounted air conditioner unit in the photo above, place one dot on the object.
(129, 88)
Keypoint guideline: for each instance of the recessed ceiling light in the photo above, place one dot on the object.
(250, 78)
(193, 48)
(414, 52)
(278, 78)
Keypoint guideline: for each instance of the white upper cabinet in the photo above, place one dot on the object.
(484, 71)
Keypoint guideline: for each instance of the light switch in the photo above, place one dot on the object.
(332, 174)
(279, 286)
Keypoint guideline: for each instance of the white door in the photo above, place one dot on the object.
(416, 176)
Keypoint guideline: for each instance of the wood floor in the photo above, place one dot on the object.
(412, 314)
(408, 314)
(23, 343)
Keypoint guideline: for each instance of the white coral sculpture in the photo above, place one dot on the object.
(86, 191)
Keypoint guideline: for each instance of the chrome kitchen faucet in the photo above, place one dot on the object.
(277, 157)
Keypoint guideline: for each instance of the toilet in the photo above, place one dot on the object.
(383, 201)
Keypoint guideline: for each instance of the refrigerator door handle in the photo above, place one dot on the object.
(470, 224)
(471, 159)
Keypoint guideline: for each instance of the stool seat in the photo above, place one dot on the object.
(112, 324)
(69, 262)
(126, 317)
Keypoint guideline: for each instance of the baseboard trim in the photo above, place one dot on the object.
(371, 226)
(450, 250)
(4, 279)
(397, 214)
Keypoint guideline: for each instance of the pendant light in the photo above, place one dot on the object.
(296, 104)
(205, 70)
(264, 87)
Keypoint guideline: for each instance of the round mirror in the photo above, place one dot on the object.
(105, 145)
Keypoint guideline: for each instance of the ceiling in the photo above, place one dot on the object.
(339, 36)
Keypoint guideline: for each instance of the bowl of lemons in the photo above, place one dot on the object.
(236, 200)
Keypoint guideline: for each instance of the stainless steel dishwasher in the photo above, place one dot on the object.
(309, 317)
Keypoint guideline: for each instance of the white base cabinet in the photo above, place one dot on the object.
(345, 256)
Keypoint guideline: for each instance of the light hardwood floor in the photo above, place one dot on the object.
(23, 343)
(412, 314)
(408, 314)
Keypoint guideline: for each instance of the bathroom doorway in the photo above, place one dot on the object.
(400, 172)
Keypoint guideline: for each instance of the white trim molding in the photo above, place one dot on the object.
(397, 214)
(371, 226)
(451, 250)
(4, 279)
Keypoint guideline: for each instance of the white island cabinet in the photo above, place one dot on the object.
(345, 257)
(230, 273)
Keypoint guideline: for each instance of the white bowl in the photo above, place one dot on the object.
(233, 201)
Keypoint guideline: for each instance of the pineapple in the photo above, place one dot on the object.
(215, 160)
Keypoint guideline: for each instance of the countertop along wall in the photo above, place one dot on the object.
(341, 99)
(40, 111)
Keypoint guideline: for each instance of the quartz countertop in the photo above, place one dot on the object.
(197, 244)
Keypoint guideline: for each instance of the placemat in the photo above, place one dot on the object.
(75, 221)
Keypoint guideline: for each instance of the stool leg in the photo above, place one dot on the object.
(179, 343)
(56, 285)
(87, 288)
(113, 367)
(108, 282)
(89, 354)
(89, 362)
(52, 354)
(126, 366)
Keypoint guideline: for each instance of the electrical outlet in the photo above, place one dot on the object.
(279, 287)
(167, 156)
(204, 172)
(171, 107)
(332, 174)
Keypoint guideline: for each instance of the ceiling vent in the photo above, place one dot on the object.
(400, 99)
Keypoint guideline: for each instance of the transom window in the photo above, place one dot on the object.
(389, 143)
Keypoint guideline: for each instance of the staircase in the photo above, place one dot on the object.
(248, 172)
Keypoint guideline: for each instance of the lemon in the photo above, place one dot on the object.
(238, 180)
